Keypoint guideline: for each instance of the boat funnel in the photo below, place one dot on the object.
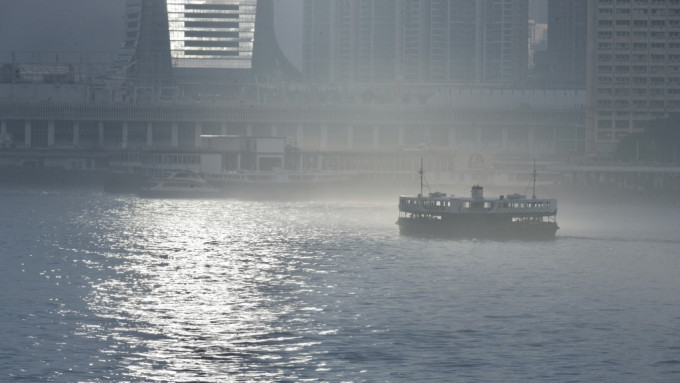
(477, 192)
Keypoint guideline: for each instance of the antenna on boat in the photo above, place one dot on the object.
(533, 194)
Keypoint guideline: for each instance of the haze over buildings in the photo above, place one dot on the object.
(566, 51)
(431, 52)
(633, 67)
(98, 28)
(427, 41)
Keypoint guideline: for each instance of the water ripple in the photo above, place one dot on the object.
(117, 288)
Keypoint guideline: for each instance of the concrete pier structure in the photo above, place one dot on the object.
(550, 132)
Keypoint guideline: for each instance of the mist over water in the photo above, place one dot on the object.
(102, 287)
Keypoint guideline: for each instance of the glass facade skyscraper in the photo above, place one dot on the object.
(211, 33)
(208, 34)
(200, 46)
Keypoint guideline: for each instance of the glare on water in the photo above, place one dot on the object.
(116, 288)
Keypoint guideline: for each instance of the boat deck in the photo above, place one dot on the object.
(440, 204)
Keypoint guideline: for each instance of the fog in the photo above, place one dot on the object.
(408, 109)
(433, 191)
(61, 26)
(97, 27)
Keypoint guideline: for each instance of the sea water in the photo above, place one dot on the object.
(98, 287)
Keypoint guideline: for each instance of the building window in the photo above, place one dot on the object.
(604, 68)
(604, 103)
(604, 123)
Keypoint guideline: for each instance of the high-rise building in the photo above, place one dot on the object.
(203, 42)
(633, 67)
(145, 55)
(505, 41)
(566, 53)
(211, 33)
(451, 41)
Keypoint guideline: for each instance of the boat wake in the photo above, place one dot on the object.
(618, 239)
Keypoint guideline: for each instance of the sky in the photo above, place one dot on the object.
(74, 26)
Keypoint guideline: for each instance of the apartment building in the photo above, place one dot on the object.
(633, 72)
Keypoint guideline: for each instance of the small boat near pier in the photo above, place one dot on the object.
(178, 184)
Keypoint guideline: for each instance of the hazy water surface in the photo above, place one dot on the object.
(99, 287)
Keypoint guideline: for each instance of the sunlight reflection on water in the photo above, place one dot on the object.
(207, 287)
(118, 288)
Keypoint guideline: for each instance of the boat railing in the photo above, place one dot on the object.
(425, 205)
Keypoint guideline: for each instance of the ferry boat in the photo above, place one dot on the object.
(507, 217)
(179, 184)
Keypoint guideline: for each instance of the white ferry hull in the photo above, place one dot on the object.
(179, 184)
(146, 193)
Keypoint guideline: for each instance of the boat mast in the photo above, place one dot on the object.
(421, 172)
(533, 194)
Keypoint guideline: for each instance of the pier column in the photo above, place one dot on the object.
(3, 135)
(224, 129)
(504, 137)
(124, 140)
(27, 134)
(50, 134)
(174, 133)
(350, 137)
(299, 139)
(428, 135)
(100, 128)
(198, 131)
(149, 134)
(275, 130)
(249, 130)
(452, 137)
(374, 137)
(400, 136)
(323, 137)
(76, 134)
(553, 144)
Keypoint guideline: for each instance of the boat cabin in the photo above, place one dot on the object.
(440, 203)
